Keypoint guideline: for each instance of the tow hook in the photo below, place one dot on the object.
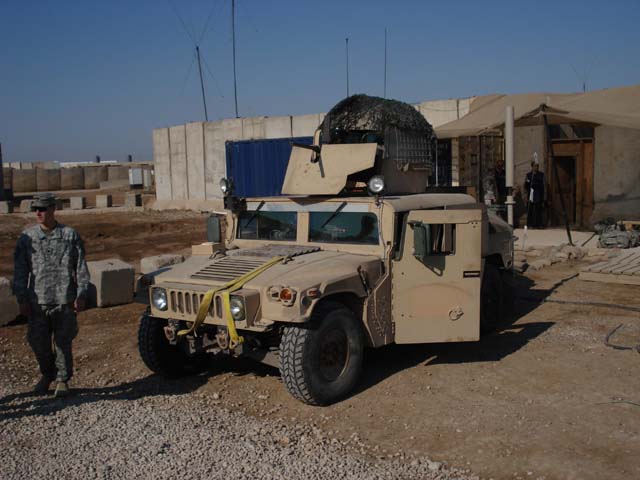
(170, 332)
(222, 337)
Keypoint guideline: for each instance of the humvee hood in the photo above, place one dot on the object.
(303, 267)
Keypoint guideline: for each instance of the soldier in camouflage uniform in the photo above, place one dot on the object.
(50, 283)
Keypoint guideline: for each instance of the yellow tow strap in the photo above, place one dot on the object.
(226, 290)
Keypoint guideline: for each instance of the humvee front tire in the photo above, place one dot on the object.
(160, 356)
(320, 363)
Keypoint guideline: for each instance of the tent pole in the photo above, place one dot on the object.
(509, 161)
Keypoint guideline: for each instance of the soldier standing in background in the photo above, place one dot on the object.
(50, 283)
(534, 188)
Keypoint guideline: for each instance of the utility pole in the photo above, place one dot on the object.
(233, 34)
(204, 100)
(346, 40)
(385, 63)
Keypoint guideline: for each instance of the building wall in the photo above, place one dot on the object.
(616, 173)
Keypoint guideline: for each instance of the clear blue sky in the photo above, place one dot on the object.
(80, 78)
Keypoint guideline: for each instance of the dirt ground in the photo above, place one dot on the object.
(543, 397)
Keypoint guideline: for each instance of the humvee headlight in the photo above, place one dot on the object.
(376, 184)
(236, 305)
(225, 186)
(159, 298)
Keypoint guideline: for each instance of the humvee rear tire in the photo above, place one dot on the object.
(160, 356)
(321, 362)
(492, 299)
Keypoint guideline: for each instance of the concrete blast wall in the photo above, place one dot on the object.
(117, 172)
(93, 176)
(24, 181)
(616, 173)
(72, 178)
(190, 159)
(47, 180)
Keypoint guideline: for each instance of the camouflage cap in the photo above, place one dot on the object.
(44, 200)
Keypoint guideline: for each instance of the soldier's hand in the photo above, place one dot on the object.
(79, 305)
(25, 309)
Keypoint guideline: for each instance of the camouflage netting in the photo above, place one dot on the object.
(362, 112)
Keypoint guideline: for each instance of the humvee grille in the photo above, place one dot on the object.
(228, 268)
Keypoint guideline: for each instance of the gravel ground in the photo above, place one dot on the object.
(127, 433)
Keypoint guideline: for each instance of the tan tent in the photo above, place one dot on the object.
(616, 107)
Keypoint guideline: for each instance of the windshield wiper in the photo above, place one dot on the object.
(255, 214)
(334, 214)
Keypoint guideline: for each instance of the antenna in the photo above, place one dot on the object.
(346, 40)
(385, 63)
(233, 34)
(204, 100)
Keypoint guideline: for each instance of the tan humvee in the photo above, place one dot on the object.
(306, 281)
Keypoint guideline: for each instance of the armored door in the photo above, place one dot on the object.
(436, 291)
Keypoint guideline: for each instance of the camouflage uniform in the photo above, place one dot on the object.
(50, 273)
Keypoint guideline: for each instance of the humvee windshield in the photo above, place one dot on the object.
(258, 225)
(358, 228)
(345, 227)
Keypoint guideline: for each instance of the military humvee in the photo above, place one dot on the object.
(355, 254)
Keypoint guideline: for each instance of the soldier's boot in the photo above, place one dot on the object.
(42, 387)
(62, 389)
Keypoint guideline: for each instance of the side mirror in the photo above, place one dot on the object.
(422, 246)
(214, 232)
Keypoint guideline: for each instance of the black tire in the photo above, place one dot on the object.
(160, 356)
(320, 363)
(492, 299)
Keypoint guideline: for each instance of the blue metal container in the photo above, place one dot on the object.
(257, 167)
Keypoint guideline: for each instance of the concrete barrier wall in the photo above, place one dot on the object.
(94, 175)
(7, 175)
(195, 160)
(186, 156)
(162, 158)
(24, 181)
(72, 178)
(178, 150)
(117, 172)
(47, 179)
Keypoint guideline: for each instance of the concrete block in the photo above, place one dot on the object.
(195, 160)
(104, 201)
(155, 263)
(25, 206)
(162, 163)
(277, 127)
(6, 207)
(78, 203)
(178, 150)
(8, 305)
(111, 283)
(133, 200)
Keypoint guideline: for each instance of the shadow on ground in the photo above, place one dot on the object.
(508, 338)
